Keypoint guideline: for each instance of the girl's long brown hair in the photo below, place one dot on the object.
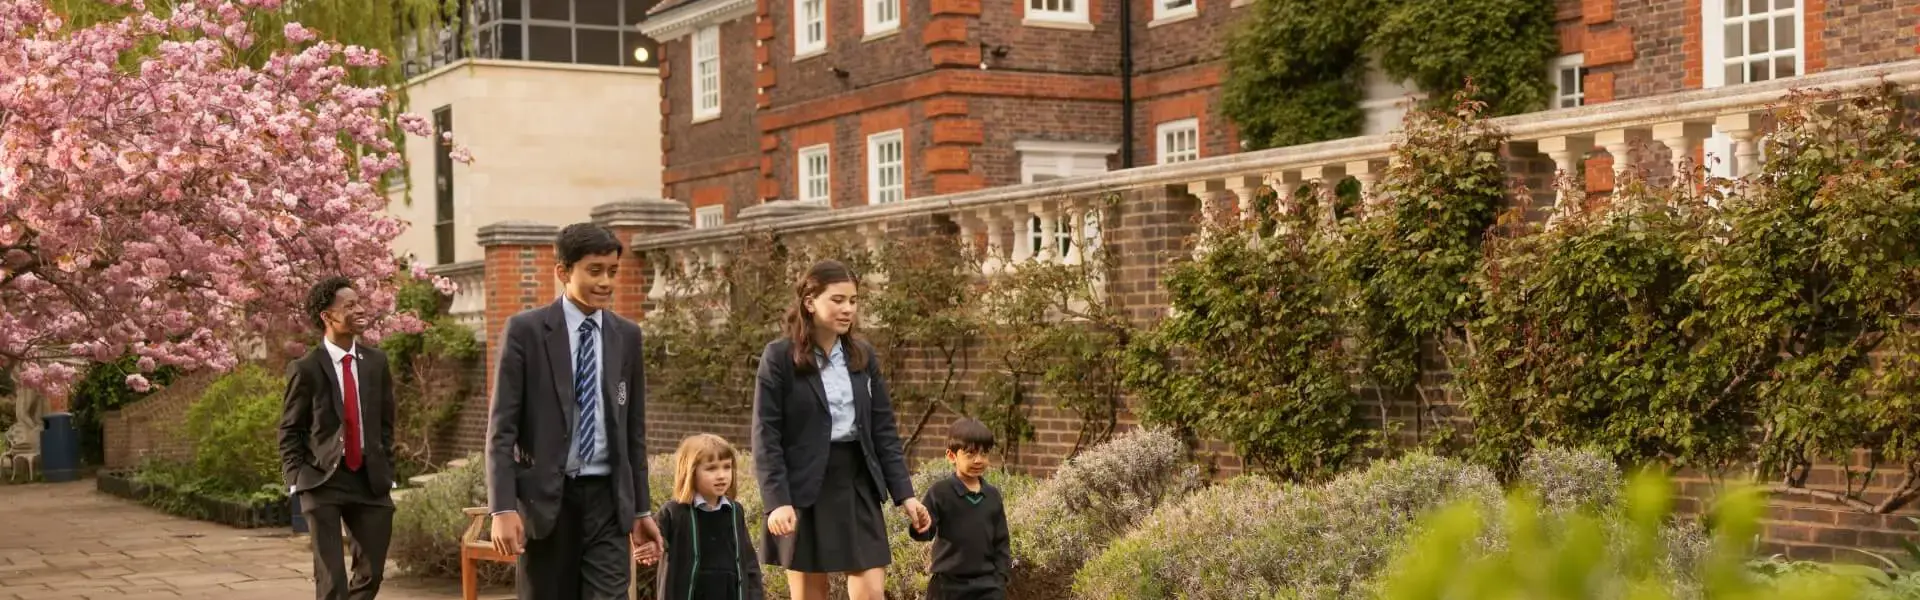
(799, 322)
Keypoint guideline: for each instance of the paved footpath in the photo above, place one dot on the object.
(66, 540)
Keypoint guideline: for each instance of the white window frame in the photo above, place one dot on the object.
(895, 191)
(805, 161)
(1713, 41)
(1061, 160)
(1173, 11)
(1163, 154)
(710, 217)
(1073, 14)
(1718, 149)
(806, 44)
(1561, 95)
(882, 17)
(706, 73)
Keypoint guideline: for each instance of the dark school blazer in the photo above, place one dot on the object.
(675, 575)
(792, 429)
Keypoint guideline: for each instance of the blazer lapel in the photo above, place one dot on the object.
(560, 362)
(862, 401)
(819, 381)
(612, 355)
(332, 385)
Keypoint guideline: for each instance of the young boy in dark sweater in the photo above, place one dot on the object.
(972, 559)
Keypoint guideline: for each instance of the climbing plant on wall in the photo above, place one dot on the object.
(1296, 68)
(1051, 331)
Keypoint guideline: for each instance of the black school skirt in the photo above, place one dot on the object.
(843, 531)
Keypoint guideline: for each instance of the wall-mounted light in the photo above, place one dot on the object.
(986, 50)
(640, 54)
(839, 72)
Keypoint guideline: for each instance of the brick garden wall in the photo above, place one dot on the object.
(150, 428)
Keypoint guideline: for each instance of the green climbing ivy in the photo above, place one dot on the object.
(1297, 67)
(1405, 257)
(1050, 329)
(1252, 354)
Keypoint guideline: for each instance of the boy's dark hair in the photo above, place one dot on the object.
(581, 240)
(969, 435)
(321, 297)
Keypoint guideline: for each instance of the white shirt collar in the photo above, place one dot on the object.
(335, 352)
(701, 503)
(575, 314)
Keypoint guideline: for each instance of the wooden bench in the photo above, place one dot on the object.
(474, 549)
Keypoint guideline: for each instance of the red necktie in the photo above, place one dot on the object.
(352, 389)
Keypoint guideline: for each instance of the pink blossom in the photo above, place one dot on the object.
(139, 383)
(461, 154)
(179, 208)
(419, 271)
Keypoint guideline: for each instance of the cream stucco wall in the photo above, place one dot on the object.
(549, 142)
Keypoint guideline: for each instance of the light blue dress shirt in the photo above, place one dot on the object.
(839, 385)
(597, 465)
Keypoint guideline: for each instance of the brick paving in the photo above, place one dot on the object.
(66, 540)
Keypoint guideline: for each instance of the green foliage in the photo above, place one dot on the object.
(1252, 538)
(1810, 274)
(1050, 327)
(1580, 342)
(103, 388)
(428, 522)
(705, 339)
(1296, 67)
(1252, 354)
(1667, 326)
(235, 431)
(1580, 557)
(1312, 50)
(924, 310)
(429, 371)
(1092, 500)
(1404, 265)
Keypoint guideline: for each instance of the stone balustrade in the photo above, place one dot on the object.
(1009, 225)
(469, 306)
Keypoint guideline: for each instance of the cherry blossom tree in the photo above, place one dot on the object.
(159, 197)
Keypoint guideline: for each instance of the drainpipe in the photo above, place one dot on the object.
(1126, 84)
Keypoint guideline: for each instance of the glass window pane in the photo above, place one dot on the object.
(511, 37)
(1568, 81)
(1757, 71)
(597, 47)
(597, 12)
(510, 9)
(1758, 37)
(1735, 73)
(1736, 40)
(1784, 67)
(557, 10)
(1782, 4)
(551, 44)
(1783, 34)
(1733, 8)
(1755, 7)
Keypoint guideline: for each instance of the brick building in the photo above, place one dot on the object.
(854, 102)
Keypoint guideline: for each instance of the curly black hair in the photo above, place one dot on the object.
(320, 298)
(580, 240)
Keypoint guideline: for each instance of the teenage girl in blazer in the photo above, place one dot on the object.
(826, 448)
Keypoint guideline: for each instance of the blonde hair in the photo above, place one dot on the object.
(694, 451)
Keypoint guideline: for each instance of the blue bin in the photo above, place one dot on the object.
(299, 520)
(59, 448)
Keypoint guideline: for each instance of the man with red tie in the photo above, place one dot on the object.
(336, 443)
